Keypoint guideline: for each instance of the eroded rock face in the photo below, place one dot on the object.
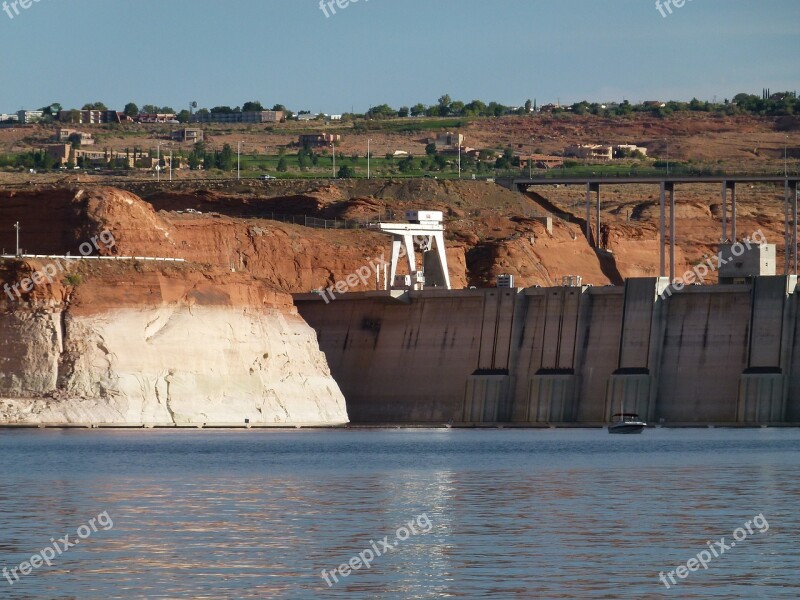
(139, 344)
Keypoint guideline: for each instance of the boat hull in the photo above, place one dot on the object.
(626, 428)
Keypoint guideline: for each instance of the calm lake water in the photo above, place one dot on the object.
(494, 514)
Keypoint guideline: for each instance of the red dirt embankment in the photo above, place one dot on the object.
(489, 230)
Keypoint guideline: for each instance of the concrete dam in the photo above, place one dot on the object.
(724, 354)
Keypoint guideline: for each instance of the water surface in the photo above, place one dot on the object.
(512, 513)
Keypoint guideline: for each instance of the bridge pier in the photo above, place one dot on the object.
(728, 185)
(786, 227)
(667, 187)
(592, 187)
(794, 224)
(790, 188)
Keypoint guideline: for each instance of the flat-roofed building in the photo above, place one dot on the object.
(63, 136)
(599, 152)
(92, 117)
(29, 116)
(259, 116)
(188, 135)
(449, 140)
(313, 140)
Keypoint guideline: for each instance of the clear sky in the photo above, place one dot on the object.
(399, 52)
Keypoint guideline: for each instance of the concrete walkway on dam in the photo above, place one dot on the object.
(722, 355)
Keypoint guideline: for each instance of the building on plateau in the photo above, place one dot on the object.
(260, 116)
(599, 152)
(92, 117)
(63, 136)
(188, 135)
(156, 118)
(316, 140)
(29, 116)
(449, 140)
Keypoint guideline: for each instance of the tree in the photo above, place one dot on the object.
(430, 149)
(407, 164)
(131, 109)
(287, 114)
(382, 111)
(505, 161)
(444, 105)
(51, 109)
(253, 106)
(95, 106)
(302, 159)
(225, 160)
(528, 106)
(403, 112)
(184, 116)
(346, 172)
(624, 109)
(75, 140)
(282, 165)
(194, 161)
(418, 110)
(476, 107)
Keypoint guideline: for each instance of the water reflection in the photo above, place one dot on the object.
(514, 513)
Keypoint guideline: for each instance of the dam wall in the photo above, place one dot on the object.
(566, 355)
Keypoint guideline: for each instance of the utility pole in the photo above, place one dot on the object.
(785, 163)
(333, 145)
(17, 227)
(170, 165)
(368, 147)
(239, 161)
(158, 163)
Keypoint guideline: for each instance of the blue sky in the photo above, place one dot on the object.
(392, 51)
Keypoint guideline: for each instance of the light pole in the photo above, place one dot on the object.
(170, 165)
(785, 163)
(239, 161)
(333, 145)
(17, 227)
(530, 166)
(158, 162)
(459, 154)
(368, 146)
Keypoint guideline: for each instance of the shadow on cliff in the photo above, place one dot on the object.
(605, 259)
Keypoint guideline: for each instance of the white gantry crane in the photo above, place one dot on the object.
(424, 229)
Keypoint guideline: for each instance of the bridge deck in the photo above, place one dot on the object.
(509, 182)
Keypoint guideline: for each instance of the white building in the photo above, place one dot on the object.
(29, 116)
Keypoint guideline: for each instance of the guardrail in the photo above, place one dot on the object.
(68, 257)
